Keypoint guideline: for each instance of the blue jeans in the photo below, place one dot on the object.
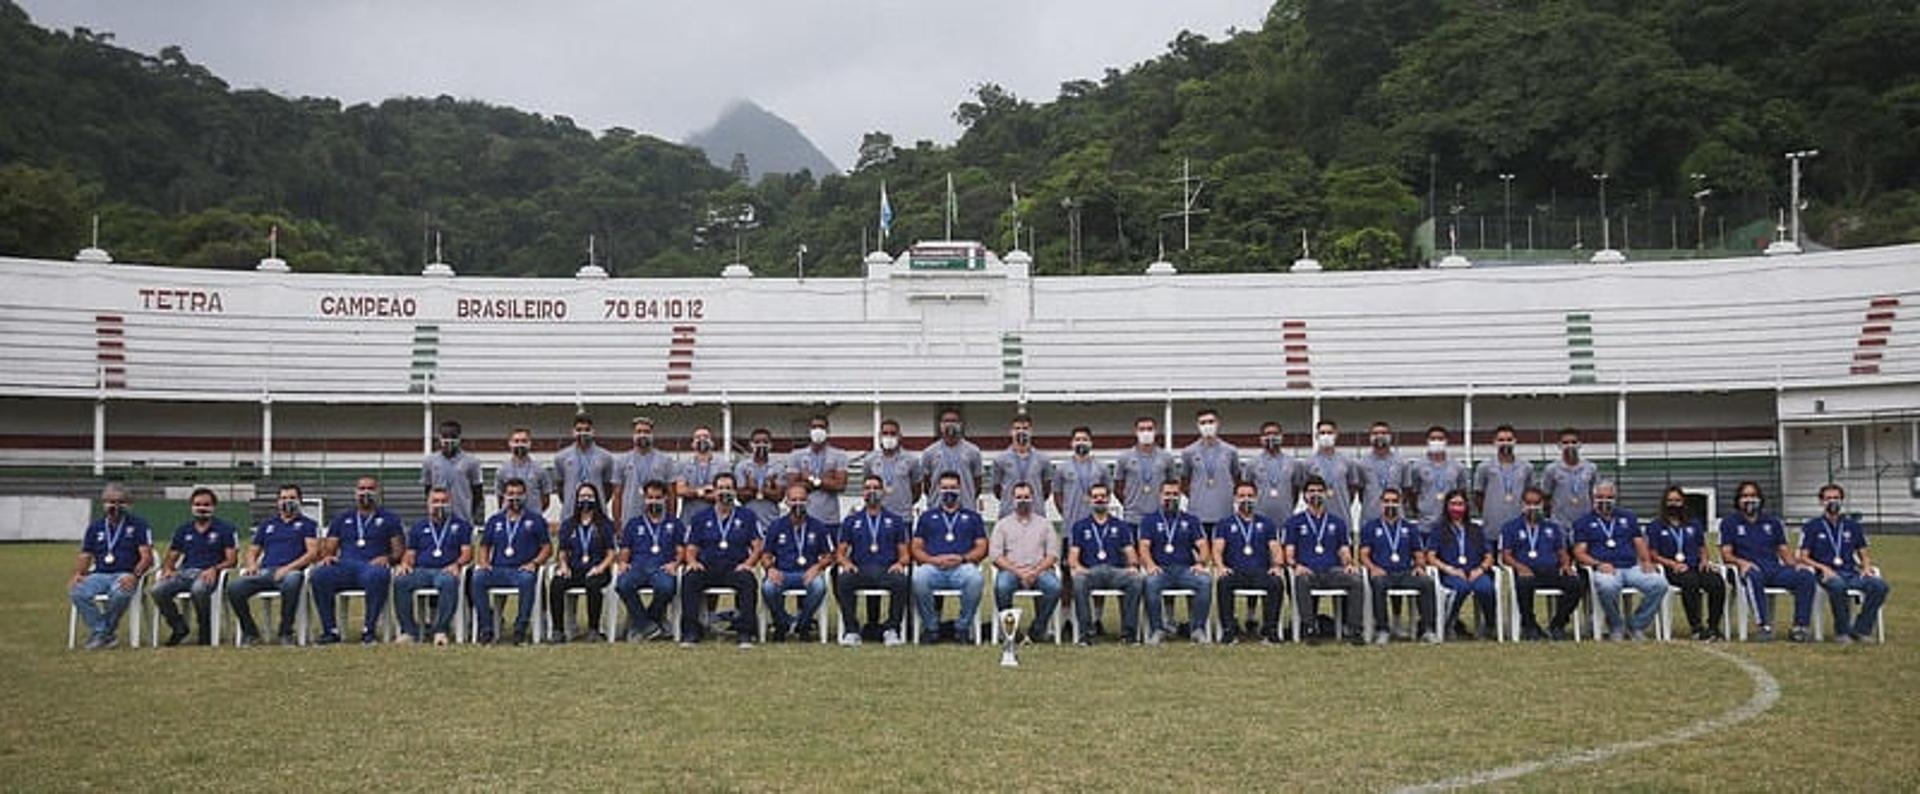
(1799, 582)
(241, 589)
(329, 580)
(1178, 579)
(628, 587)
(488, 578)
(1653, 591)
(101, 623)
(1107, 577)
(1482, 591)
(777, 603)
(184, 580)
(964, 577)
(1048, 583)
(447, 602)
(1873, 588)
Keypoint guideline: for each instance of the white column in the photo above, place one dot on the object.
(1620, 431)
(726, 426)
(266, 435)
(876, 420)
(1167, 426)
(1315, 428)
(426, 427)
(1466, 429)
(100, 437)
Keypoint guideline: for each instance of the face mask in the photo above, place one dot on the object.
(817, 435)
(873, 498)
(656, 507)
(643, 440)
(1209, 430)
(1244, 505)
(1170, 505)
(1326, 440)
(1082, 448)
(889, 442)
(1504, 447)
(950, 497)
(438, 512)
(1603, 504)
(1676, 511)
(1750, 504)
(1457, 512)
(760, 448)
(723, 497)
(290, 506)
(202, 513)
(365, 498)
(1145, 437)
(950, 430)
(1272, 443)
(798, 509)
(114, 510)
(1100, 508)
(515, 503)
(1390, 510)
(450, 445)
(1834, 506)
(586, 504)
(1382, 441)
(520, 450)
(1316, 499)
(1570, 451)
(1436, 447)
(583, 437)
(1534, 511)
(1023, 506)
(1022, 438)
(703, 445)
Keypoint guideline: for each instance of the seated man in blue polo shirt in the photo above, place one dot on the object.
(800, 549)
(116, 551)
(1457, 547)
(873, 555)
(201, 548)
(1247, 544)
(1394, 552)
(1319, 548)
(1835, 545)
(1754, 543)
(283, 546)
(438, 547)
(1536, 548)
(1610, 542)
(948, 544)
(650, 560)
(1102, 555)
(362, 544)
(1175, 555)
(513, 546)
(721, 548)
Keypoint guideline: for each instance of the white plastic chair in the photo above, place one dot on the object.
(616, 607)
(1314, 595)
(1189, 594)
(185, 598)
(1441, 601)
(1119, 595)
(133, 634)
(1749, 611)
(272, 595)
(1053, 623)
(608, 604)
(1822, 607)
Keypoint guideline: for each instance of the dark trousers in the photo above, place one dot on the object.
(898, 591)
(596, 597)
(1249, 580)
(1691, 585)
(746, 593)
(1572, 591)
(1404, 580)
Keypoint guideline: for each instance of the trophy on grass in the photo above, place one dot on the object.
(1009, 640)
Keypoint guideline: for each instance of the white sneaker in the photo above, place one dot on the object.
(850, 640)
(403, 639)
(892, 639)
(1430, 638)
(1202, 638)
(1381, 637)
(1155, 637)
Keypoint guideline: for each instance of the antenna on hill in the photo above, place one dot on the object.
(94, 253)
(591, 269)
(1190, 187)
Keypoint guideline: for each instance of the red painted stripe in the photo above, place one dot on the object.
(114, 357)
(1299, 384)
(1294, 336)
(685, 329)
(109, 331)
(679, 354)
(679, 365)
(112, 344)
(1880, 317)
(1865, 369)
(1876, 330)
(1884, 303)
(109, 318)
(1299, 372)
(1296, 359)
(1873, 341)
(1292, 324)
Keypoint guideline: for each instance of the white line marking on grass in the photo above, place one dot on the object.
(1766, 693)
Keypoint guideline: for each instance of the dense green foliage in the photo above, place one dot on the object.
(1335, 117)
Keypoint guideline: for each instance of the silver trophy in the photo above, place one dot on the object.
(1009, 628)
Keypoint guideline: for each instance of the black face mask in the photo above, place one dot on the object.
(950, 431)
(1677, 511)
(586, 505)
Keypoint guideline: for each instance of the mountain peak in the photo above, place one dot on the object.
(771, 144)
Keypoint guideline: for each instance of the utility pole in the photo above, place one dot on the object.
(1190, 187)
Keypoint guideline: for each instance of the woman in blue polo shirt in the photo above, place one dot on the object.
(585, 558)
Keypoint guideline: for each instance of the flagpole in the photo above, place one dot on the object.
(950, 209)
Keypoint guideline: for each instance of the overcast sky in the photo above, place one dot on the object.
(835, 68)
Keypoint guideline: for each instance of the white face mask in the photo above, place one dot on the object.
(1145, 437)
(817, 435)
(889, 442)
(1436, 447)
(1326, 440)
(1209, 429)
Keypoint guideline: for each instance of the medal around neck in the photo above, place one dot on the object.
(1009, 625)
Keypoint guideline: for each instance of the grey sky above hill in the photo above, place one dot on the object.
(835, 68)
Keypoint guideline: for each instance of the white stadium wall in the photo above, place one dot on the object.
(1718, 359)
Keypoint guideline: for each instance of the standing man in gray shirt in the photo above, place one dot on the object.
(897, 469)
(456, 471)
(643, 464)
(1140, 470)
(1380, 469)
(823, 468)
(521, 466)
(761, 476)
(1341, 475)
(1499, 483)
(1210, 468)
(1072, 478)
(1431, 477)
(582, 462)
(953, 453)
(1569, 481)
(1276, 476)
(1021, 463)
(694, 483)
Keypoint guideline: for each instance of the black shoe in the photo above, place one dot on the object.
(176, 636)
(1230, 637)
(1559, 634)
(1356, 638)
(1799, 634)
(1531, 634)
(777, 634)
(248, 640)
(1098, 629)
(369, 638)
(285, 638)
(328, 638)
(558, 638)
(520, 636)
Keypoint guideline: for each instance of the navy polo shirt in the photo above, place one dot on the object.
(203, 550)
(439, 547)
(653, 543)
(963, 526)
(1316, 542)
(874, 541)
(583, 545)
(120, 540)
(511, 544)
(1538, 549)
(1835, 544)
(1670, 541)
(1393, 545)
(1102, 542)
(1756, 540)
(1172, 538)
(377, 530)
(282, 541)
(1246, 542)
(738, 531)
(1461, 547)
(1610, 540)
(797, 548)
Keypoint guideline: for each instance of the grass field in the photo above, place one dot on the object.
(819, 718)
